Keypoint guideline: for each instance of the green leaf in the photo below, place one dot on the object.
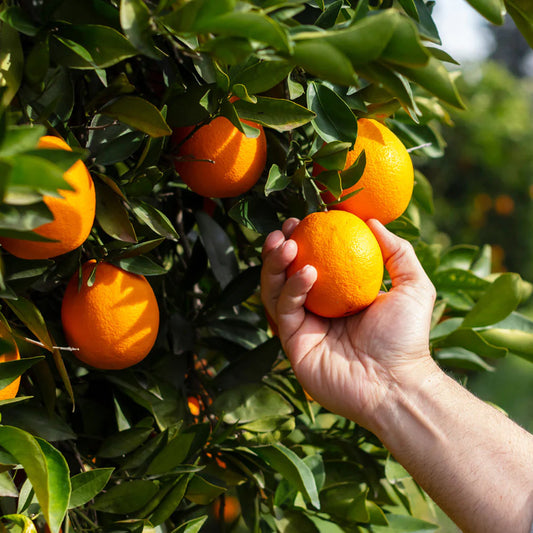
(128, 497)
(46, 469)
(455, 279)
(462, 358)
(191, 526)
(276, 113)
(248, 24)
(28, 313)
(410, 8)
(87, 485)
(185, 444)
(112, 215)
(18, 19)
(328, 17)
(140, 265)
(10, 370)
(332, 156)
(218, 247)
(423, 193)
(514, 333)
(324, 60)
(500, 299)
(171, 501)
(473, 341)
(405, 524)
(124, 442)
(363, 41)
(250, 402)
(276, 181)
(346, 500)
(139, 114)
(405, 46)
(260, 76)
(20, 138)
(203, 492)
(492, 10)
(58, 483)
(11, 63)
(154, 219)
(522, 15)
(436, 79)
(293, 469)
(135, 22)
(22, 521)
(334, 120)
(255, 214)
(8, 489)
(105, 46)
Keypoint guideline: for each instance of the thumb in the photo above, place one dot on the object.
(400, 258)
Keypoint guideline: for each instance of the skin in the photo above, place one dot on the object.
(375, 368)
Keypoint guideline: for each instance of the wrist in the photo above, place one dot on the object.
(409, 389)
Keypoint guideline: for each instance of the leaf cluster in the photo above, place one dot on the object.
(214, 412)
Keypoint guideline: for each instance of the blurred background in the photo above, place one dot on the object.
(483, 185)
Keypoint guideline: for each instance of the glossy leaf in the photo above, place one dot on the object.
(492, 10)
(135, 22)
(10, 370)
(11, 63)
(260, 76)
(293, 469)
(436, 79)
(171, 501)
(255, 214)
(46, 469)
(324, 60)
(334, 120)
(522, 14)
(139, 114)
(128, 497)
(154, 219)
(250, 402)
(281, 115)
(501, 298)
(104, 45)
(112, 215)
(87, 485)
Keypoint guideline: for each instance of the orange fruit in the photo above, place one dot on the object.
(232, 509)
(113, 323)
(73, 213)
(388, 179)
(194, 405)
(347, 258)
(11, 390)
(219, 161)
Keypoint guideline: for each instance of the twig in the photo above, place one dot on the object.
(64, 348)
(425, 145)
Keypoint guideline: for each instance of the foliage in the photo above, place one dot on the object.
(214, 410)
(486, 146)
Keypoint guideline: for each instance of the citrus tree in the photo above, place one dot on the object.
(206, 428)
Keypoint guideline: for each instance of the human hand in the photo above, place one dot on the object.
(350, 365)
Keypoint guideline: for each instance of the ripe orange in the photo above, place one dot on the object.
(219, 161)
(232, 509)
(114, 323)
(388, 179)
(73, 214)
(194, 405)
(11, 390)
(347, 258)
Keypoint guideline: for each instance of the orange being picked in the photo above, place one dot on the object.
(219, 161)
(114, 322)
(388, 178)
(11, 390)
(347, 258)
(73, 213)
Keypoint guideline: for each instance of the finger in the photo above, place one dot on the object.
(278, 256)
(289, 226)
(290, 305)
(400, 259)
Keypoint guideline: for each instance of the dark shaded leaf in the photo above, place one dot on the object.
(128, 497)
(87, 485)
(139, 114)
(255, 214)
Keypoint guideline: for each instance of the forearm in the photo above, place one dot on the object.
(469, 457)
